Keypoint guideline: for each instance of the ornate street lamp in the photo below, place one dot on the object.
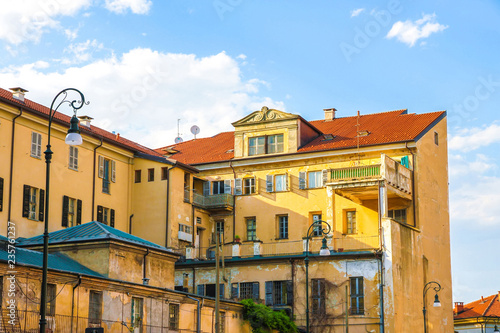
(436, 303)
(322, 228)
(73, 138)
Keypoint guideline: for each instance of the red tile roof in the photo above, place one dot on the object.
(93, 130)
(484, 307)
(383, 128)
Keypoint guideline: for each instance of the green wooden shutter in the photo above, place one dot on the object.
(255, 290)
(112, 218)
(99, 213)
(269, 293)
(302, 180)
(41, 208)
(289, 292)
(238, 186)
(227, 186)
(201, 290)
(78, 212)
(26, 201)
(221, 290)
(65, 211)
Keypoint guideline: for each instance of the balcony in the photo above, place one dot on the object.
(214, 202)
(345, 243)
(360, 183)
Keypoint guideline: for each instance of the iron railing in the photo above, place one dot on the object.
(224, 200)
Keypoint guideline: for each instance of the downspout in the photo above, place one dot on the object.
(73, 301)
(292, 265)
(234, 201)
(130, 224)
(9, 210)
(167, 212)
(93, 179)
(413, 185)
(198, 314)
(145, 280)
(381, 260)
(194, 279)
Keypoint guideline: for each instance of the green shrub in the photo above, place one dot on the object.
(263, 319)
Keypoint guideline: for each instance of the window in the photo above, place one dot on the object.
(246, 290)
(73, 158)
(251, 229)
(72, 212)
(436, 138)
(276, 183)
(198, 220)
(151, 175)
(248, 185)
(219, 230)
(398, 215)
(316, 228)
(186, 187)
(33, 201)
(279, 293)
(315, 179)
(318, 296)
(106, 216)
(209, 290)
(137, 177)
(185, 228)
(357, 296)
(137, 315)
(107, 171)
(173, 316)
(36, 145)
(164, 173)
(283, 227)
(51, 300)
(222, 321)
(95, 307)
(350, 222)
(275, 143)
(268, 144)
(218, 187)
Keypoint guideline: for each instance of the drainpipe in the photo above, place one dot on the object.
(9, 209)
(413, 185)
(73, 300)
(194, 279)
(198, 314)
(145, 280)
(381, 256)
(93, 179)
(234, 202)
(292, 265)
(167, 212)
(130, 224)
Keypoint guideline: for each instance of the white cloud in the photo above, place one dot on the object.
(142, 93)
(82, 52)
(71, 34)
(356, 12)
(409, 32)
(27, 20)
(477, 202)
(135, 6)
(474, 138)
(460, 165)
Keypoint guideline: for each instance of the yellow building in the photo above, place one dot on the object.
(379, 181)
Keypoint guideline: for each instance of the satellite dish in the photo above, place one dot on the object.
(178, 139)
(195, 129)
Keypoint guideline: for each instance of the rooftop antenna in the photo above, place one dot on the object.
(195, 130)
(178, 139)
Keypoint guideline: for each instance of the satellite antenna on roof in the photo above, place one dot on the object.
(178, 139)
(195, 130)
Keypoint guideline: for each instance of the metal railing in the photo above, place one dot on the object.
(213, 201)
(355, 173)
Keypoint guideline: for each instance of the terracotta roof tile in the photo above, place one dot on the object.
(383, 128)
(93, 130)
(485, 307)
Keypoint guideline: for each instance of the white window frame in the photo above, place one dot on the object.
(250, 187)
(36, 145)
(315, 179)
(71, 212)
(284, 183)
(73, 158)
(34, 203)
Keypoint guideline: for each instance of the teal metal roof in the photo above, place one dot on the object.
(91, 231)
(56, 261)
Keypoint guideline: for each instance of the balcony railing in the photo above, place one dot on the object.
(390, 170)
(224, 200)
(345, 243)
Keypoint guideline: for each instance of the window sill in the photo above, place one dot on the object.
(37, 157)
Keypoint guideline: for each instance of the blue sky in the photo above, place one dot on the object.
(144, 64)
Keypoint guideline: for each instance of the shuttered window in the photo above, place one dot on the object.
(279, 293)
(36, 145)
(357, 295)
(173, 316)
(318, 296)
(95, 307)
(71, 212)
(106, 215)
(107, 171)
(33, 203)
(73, 158)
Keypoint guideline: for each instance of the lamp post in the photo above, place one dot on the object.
(316, 226)
(73, 138)
(437, 303)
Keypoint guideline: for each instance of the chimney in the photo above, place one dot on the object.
(459, 307)
(117, 136)
(18, 93)
(330, 113)
(85, 121)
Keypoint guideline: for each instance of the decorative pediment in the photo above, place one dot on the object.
(263, 115)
